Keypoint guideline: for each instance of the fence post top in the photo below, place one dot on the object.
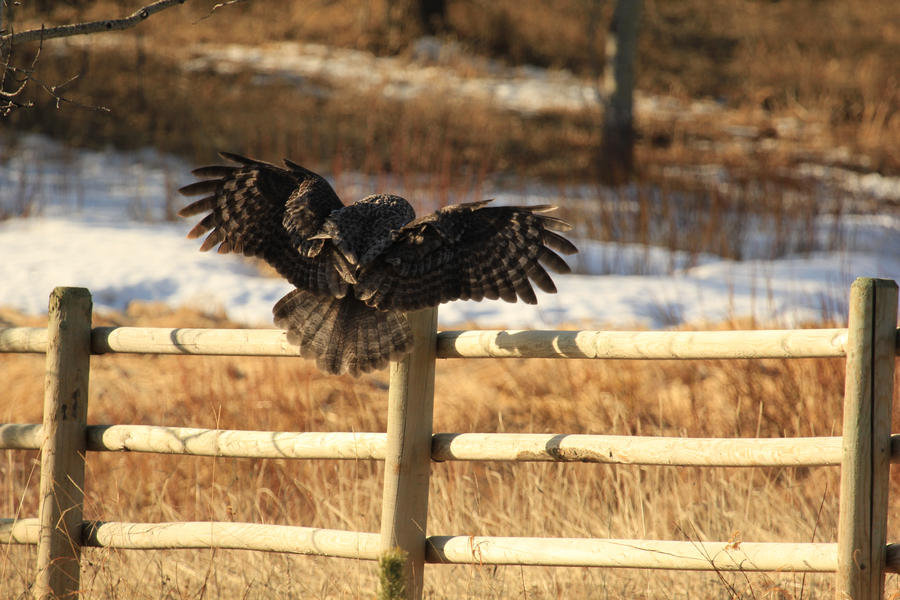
(874, 282)
(65, 295)
(70, 291)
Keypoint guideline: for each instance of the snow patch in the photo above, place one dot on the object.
(99, 226)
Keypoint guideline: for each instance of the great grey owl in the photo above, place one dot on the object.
(357, 268)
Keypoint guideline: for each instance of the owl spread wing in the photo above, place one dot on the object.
(468, 251)
(264, 211)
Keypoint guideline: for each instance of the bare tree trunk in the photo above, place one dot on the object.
(616, 160)
(432, 15)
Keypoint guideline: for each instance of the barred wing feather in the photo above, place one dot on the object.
(261, 210)
(468, 252)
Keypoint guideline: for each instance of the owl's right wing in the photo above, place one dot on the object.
(468, 252)
(261, 210)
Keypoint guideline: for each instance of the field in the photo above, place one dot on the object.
(783, 84)
(735, 398)
(774, 116)
(758, 124)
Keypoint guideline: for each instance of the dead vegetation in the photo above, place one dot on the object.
(671, 398)
(796, 80)
(740, 98)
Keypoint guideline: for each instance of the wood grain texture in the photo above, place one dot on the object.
(407, 470)
(462, 549)
(63, 444)
(797, 343)
(638, 450)
(239, 444)
(525, 447)
(20, 531)
(644, 554)
(21, 436)
(883, 366)
(208, 534)
(23, 339)
(516, 447)
(855, 493)
(180, 340)
(866, 439)
(244, 536)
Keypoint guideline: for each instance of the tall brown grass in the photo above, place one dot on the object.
(826, 67)
(702, 398)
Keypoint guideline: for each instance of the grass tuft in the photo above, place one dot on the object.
(392, 575)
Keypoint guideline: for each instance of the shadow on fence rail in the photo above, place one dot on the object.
(864, 452)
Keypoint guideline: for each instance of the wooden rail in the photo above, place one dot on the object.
(514, 447)
(667, 345)
(208, 534)
(462, 549)
(798, 343)
(859, 558)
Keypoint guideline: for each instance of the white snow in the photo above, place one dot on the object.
(98, 225)
(523, 89)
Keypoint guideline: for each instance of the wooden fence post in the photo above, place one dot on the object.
(63, 443)
(404, 508)
(865, 464)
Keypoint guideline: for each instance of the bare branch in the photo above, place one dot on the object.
(52, 90)
(86, 28)
(217, 7)
(10, 100)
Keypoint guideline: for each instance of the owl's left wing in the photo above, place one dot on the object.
(258, 209)
(468, 252)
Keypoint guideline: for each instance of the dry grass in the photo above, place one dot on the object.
(828, 68)
(195, 114)
(735, 398)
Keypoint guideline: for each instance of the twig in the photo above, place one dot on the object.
(27, 75)
(86, 28)
(10, 96)
(52, 90)
(217, 7)
(8, 99)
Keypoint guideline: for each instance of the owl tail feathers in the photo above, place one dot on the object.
(342, 334)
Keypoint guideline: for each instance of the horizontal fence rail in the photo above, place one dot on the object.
(642, 554)
(222, 443)
(208, 534)
(776, 343)
(461, 549)
(799, 343)
(210, 442)
(237, 444)
(514, 447)
(637, 450)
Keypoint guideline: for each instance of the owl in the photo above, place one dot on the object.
(357, 269)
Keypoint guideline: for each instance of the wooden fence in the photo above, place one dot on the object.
(859, 558)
